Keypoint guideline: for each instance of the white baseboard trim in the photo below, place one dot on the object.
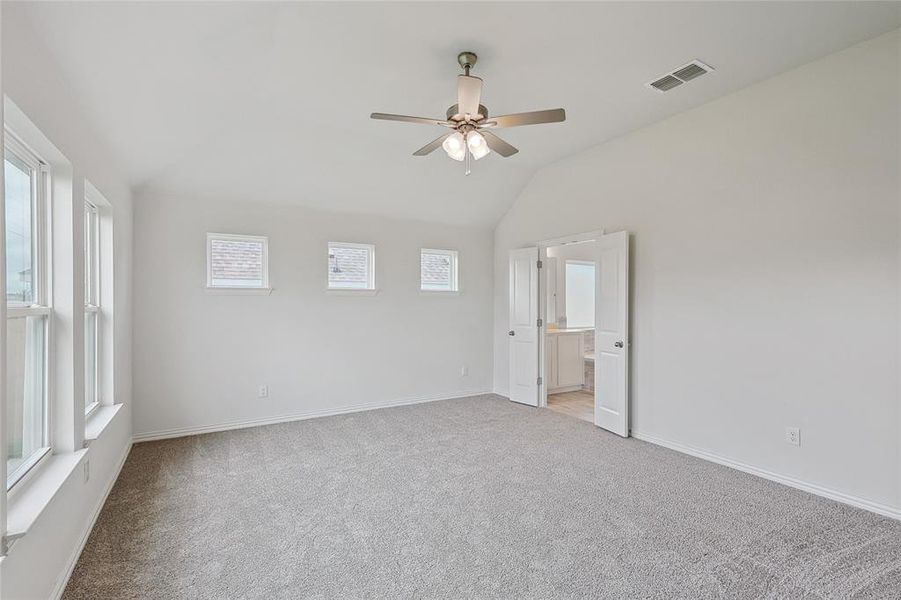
(86, 532)
(881, 509)
(301, 416)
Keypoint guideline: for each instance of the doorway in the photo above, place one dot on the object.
(569, 327)
(569, 310)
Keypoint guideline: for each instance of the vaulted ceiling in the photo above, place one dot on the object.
(270, 102)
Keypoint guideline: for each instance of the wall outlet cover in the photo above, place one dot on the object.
(793, 436)
(263, 391)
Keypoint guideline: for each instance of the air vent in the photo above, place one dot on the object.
(677, 77)
(665, 83)
(690, 72)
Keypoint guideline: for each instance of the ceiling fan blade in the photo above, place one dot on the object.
(469, 94)
(407, 119)
(499, 145)
(431, 146)
(537, 117)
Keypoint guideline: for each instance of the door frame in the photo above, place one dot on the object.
(588, 236)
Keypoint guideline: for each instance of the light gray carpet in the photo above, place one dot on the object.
(469, 498)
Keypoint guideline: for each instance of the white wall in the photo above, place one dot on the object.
(38, 562)
(766, 268)
(200, 356)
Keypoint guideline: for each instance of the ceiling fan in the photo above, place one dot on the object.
(469, 121)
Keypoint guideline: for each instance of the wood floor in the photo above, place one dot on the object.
(574, 404)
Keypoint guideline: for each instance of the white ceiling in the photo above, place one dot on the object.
(270, 102)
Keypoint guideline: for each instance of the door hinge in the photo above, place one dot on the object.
(540, 264)
(540, 381)
(540, 322)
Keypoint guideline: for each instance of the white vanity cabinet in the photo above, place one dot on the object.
(565, 354)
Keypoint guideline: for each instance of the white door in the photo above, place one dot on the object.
(550, 363)
(524, 326)
(611, 372)
(550, 273)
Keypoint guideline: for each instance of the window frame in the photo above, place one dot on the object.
(40, 305)
(237, 237)
(454, 257)
(92, 304)
(370, 262)
(39, 216)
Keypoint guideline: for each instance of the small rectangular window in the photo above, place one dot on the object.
(237, 261)
(438, 270)
(351, 266)
(579, 293)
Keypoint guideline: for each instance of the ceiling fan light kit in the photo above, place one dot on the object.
(469, 121)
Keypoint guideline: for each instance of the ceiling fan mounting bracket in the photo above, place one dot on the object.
(467, 60)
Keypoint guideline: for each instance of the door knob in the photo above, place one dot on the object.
(511, 332)
(618, 344)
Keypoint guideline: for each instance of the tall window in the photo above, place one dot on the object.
(351, 266)
(91, 306)
(579, 293)
(237, 261)
(438, 270)
(28, 309)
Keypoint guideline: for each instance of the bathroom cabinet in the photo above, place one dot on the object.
(565, 354)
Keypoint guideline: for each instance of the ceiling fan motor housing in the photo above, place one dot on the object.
(453, 114)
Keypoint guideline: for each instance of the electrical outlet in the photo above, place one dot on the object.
(263, 391)
(87, 471)
(464, 371)
(793, 436)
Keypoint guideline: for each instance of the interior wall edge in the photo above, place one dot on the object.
(89, 525)
(885, 510)
(178, 432)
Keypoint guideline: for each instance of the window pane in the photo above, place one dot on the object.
(349, 267)
(437, 271)
(90, 359)
(236, 263)
(19, 260)
(90, 254)
(579, 294)
(26, 408)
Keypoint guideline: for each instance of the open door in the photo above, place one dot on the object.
(524, 326)
(611, 373)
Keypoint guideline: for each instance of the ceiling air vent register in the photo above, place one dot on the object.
(677, 77)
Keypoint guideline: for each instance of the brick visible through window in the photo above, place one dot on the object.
(438, 270)
(350, 266)
(237, 261)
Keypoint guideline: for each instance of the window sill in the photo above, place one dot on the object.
(439, 292)
(351, 292)
(237, 291)
(97, 422)
(28, 503)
